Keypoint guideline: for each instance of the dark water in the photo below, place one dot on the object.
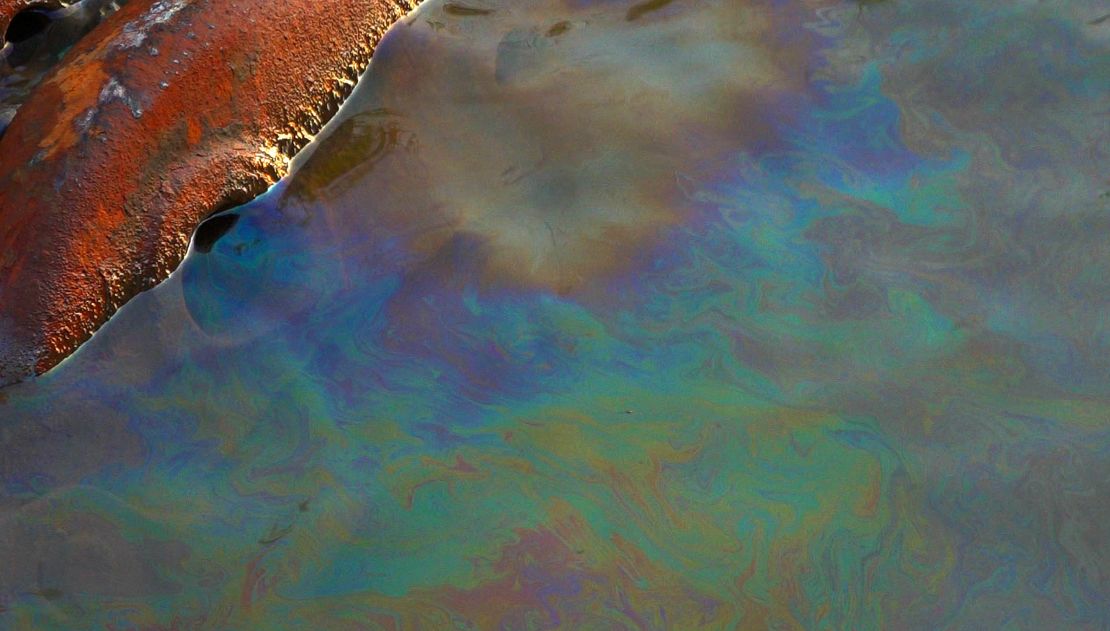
(603, 315)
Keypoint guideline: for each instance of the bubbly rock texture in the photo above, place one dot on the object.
(603, 314)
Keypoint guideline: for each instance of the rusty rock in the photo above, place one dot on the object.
(47, 10)
(168, 111)
(10, 8)
(31, 50)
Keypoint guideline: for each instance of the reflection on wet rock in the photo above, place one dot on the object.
(574, 137)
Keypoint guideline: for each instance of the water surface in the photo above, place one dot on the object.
(591, 314)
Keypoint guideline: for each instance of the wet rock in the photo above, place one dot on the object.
(6, 116)
(33, 39)
(117, 156)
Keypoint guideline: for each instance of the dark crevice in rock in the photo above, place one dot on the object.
(212, 229)
(27, 24)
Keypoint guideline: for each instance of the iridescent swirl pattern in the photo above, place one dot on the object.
(596, 314)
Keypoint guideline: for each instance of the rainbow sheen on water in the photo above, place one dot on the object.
(590, 314)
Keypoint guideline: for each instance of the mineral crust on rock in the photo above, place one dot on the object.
(168, 111)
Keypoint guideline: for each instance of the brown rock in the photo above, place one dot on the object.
(168, 111)
(10, 8)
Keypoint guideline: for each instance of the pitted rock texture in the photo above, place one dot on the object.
(167, 112)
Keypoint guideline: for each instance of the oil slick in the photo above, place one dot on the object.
(575, 182)
(850, 374)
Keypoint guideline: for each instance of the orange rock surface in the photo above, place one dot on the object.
(167, 112)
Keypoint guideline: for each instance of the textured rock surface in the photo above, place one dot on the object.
(38, 45)
(168, 111)
(48, 11)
